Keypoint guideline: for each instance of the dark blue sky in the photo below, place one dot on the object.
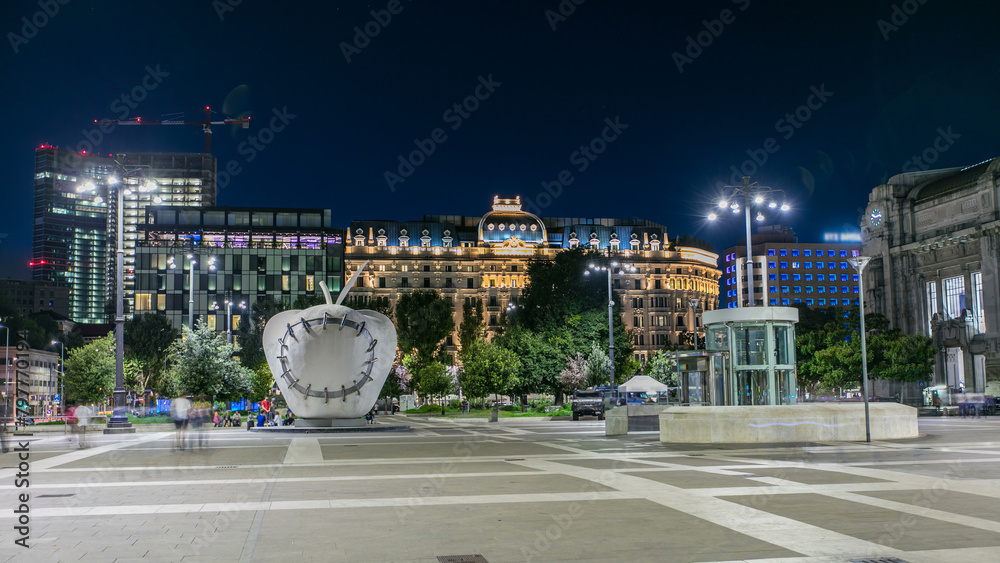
(891, 89)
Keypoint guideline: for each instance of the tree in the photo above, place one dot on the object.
(434, 380)
(90, 371)
(423, 321)
(565, 307)
(598, 366)
(662, 366)
(542, 359)
(250, 334)
(378, 304)
(473, 322)
(205, 367)
(147, 338)
(488, 368)
(574, 375)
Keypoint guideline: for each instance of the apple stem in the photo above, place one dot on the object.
(326, 293)
(349, 285)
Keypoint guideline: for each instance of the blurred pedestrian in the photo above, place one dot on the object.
(215, 419)
(197, 418)
(179, 411)
(83, 414)
(236, 419)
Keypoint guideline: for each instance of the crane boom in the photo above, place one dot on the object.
(206, 124)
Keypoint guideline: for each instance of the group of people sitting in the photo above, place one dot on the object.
(227, 419)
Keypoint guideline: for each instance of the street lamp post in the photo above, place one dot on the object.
(119, 420)
(62, 375)
(611, 306)
(693, 303)
(192, 262)
(752, 194)
(859, 264)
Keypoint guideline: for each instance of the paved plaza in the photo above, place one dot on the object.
(518, 490)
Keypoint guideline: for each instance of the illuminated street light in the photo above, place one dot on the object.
(752, 194)
(622, 270)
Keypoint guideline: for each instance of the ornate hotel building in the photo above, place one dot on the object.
(465, 258)
(934, 242)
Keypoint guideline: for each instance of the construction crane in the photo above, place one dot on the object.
(206, 125)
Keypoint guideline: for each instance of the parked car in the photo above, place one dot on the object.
(588, 403)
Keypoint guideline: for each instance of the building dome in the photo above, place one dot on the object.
(507, 221)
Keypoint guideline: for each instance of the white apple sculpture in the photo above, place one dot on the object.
(330, 361)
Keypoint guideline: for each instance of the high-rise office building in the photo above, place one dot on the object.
(787, 271)
(75, 230)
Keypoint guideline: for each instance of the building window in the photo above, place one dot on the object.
(772, 277)
(427, 268)
(978, 314)
(784, 289)
(427, 282)
(286, 283)
(795, 252)
(954, 296)
(809, 289)
(843, 253)
(795, 265)
(381, 282)
(833, 289)
(821, 289)
(310, 283)
(469, 283)
(773, 289)
(774, 301)
(784, 277)
(821, 301)
(796, 277)
(784, 264)
(772, 265)
(783, 252)
(809, 301)
(447, 282)
(404, 282)
(770, 252)
(797, 289)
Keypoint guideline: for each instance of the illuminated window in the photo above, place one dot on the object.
(236, 321)
(978, 315)
(286, 283)
(311, 283)
(954, 296)
(143, 302)
(211, 322)
(161, 302)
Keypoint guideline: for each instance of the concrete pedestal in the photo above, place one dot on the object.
(812, 422)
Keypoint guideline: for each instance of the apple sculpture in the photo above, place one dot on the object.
(330, 361)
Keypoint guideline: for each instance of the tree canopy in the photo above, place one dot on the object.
(147, 339)
(423, 321)
(90, 371)
(488, 369)
(205, 367)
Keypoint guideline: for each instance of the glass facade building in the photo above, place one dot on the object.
(240, 254)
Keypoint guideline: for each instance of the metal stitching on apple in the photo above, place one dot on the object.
(293, 382)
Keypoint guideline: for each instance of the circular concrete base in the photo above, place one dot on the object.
(332, 429)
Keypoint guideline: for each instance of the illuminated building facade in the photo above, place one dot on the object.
(75, 232)
(486, 258)
(934, 240)
(788, 272)
(241, 254)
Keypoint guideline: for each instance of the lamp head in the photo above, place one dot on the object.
(712, 216)
(784, 207)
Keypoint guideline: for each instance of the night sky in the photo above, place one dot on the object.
(884, 80)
